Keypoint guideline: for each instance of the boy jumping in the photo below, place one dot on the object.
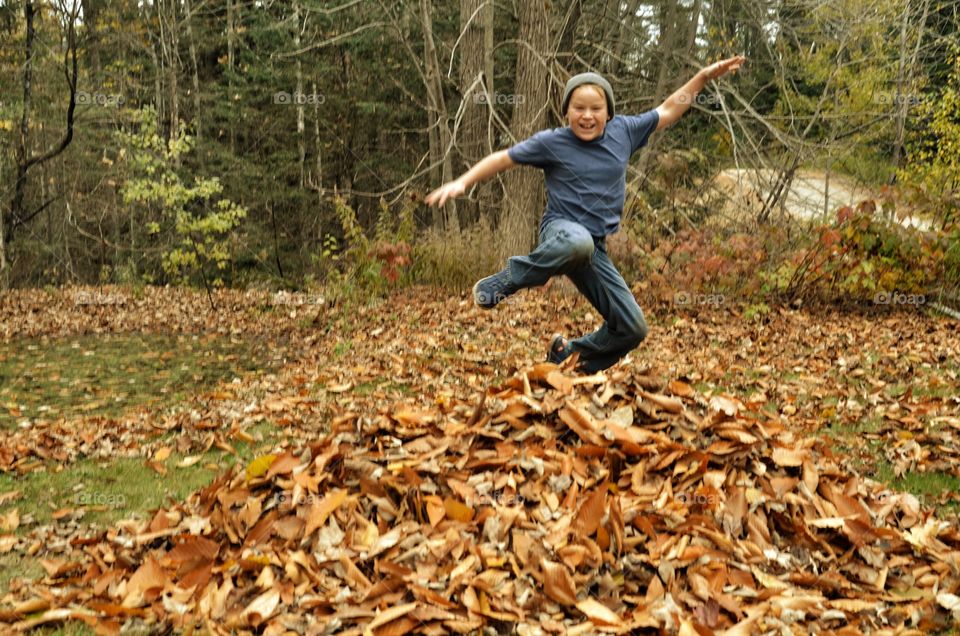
(585, 167)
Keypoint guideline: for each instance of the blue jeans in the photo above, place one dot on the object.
(566, 247)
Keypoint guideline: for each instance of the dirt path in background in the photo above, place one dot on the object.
(811, 195)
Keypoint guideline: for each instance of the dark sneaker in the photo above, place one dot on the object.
(560, 349)
(492, 290)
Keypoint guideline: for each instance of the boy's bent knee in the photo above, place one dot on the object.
(580, 246)
(572, 244)
(583, 249)
(635, 330)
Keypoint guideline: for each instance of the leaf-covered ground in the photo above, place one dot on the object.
(410, 464)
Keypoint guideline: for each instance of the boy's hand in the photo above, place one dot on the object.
(449, 190)
(721, 68)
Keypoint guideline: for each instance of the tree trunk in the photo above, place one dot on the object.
(666, 70)
(667, 46)
(24, 161)
(169, 48)
(174, 72)
(158, 67)
(567, 36)
(4, 270)
(230, 46)
(485, 193)
(441, 160)
(20, 184)
(318, 177)
(298, 97)
(565, 53)
(197, 119)
(903, 100)
(317, 180)
(693, 25)
(346, 159)
(91, 19)
(474, 85)
(22, 158)
(524, 196)
(625, 31)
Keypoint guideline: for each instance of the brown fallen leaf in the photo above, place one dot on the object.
(667, 403)
(457, 510)
(599, 614)
(388, 616)
(145, 584)
(556, 490)
(680, 388)
(31, 606)
(591, 512)
(187, 462)
(401, 626)
(558, 583)
(283, 465)
(724, 404)
(436, 510)
(261, 608)
(582, 424)
(191, 549)
(57, 567)
(560, 381)
(410, 417)
(8, 542)
(10, 521)
(321, 510)
(789, 456)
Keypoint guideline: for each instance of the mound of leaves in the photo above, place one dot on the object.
(555, 503)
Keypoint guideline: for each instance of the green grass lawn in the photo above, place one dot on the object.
(98, 492)
(863, 444)
(108, 374)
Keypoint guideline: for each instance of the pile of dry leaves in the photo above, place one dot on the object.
(28, 313)
(554, 503)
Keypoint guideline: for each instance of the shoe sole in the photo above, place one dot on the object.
(476, 300)
(556, 340)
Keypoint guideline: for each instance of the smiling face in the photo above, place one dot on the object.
(587, 112)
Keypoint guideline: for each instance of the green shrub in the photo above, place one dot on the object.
(859, 255)
(191, 223)
(931, 172)
(356, 264)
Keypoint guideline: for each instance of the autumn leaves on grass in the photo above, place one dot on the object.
(563, 503)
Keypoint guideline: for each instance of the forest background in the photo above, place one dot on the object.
(288, 145)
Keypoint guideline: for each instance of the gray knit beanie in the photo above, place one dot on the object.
(587, 78)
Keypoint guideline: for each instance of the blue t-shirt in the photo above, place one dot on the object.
(586, 180)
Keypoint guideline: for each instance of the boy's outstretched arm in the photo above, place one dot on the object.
(677, 104)
(483, 170)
